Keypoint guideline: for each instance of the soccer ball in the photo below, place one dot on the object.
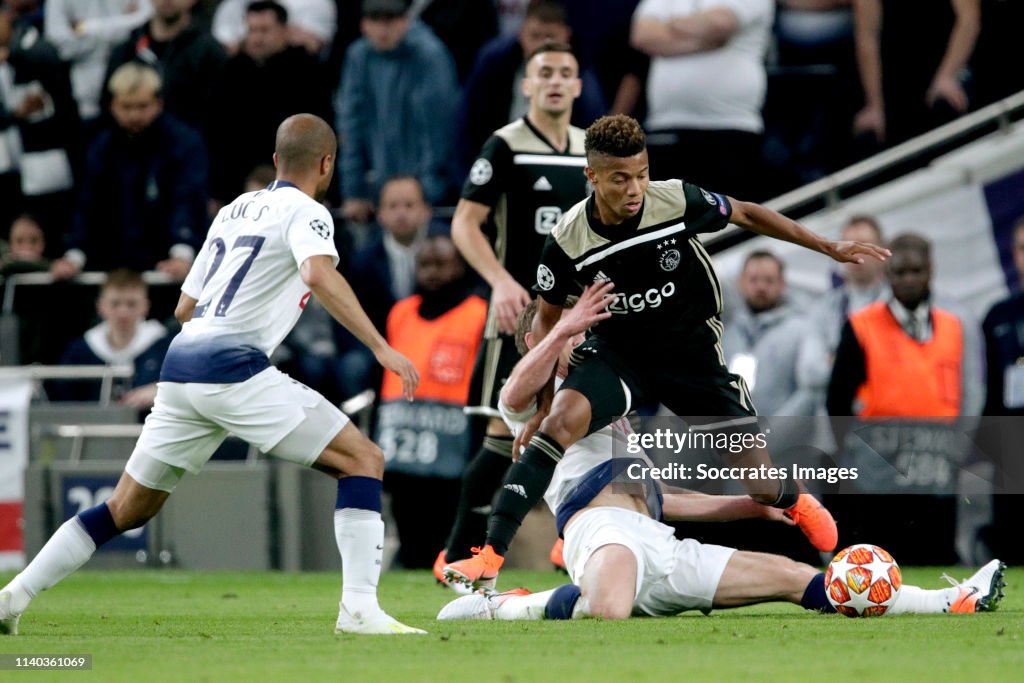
(863, 581)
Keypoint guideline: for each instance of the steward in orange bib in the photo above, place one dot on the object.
(905, 357)
(426, 442)
(907, 369)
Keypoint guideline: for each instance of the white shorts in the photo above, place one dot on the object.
(270, 411)
(672, 575)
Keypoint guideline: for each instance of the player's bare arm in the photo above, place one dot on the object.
(534, 371)
(765, 221)
(185, 308)
(681, 505)
(509, 297)
(867, 38)
(334, 292)
(946, 83)
(681, 35)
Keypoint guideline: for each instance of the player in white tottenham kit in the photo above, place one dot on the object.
(266, 252)
(621, 558)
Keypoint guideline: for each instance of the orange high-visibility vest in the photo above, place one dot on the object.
(443, 349)
(906, 377)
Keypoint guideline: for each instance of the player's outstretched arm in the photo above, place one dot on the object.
(689, 506)
(533, 372)
(765, 221)
(334, 292)
(508, 297)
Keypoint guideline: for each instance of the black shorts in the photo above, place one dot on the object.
(694, 384)
(494, 364)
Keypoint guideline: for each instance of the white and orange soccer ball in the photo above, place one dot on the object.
(863, 581)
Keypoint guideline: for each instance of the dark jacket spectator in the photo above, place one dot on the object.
(489, 104)
(259, 87)
(464, 26)
(187, 57)
(143, 197)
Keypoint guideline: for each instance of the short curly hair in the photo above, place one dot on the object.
(617, 136)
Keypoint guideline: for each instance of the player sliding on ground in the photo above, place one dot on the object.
(264, 254)
(622, 560)
(663, 341)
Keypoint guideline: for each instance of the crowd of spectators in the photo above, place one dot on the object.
(126, 124)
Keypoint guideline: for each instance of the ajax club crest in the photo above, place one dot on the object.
(668, 258)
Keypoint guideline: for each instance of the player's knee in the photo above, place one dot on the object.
(372, 461)
(563, 428)
(609, 607)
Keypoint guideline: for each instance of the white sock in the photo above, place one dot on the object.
(360, 536)
(532, 607)
(68, 549)
(914, 600)
(524, 607)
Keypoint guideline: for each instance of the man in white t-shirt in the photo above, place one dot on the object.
(705, 89)
(265, 253)
(622, 560)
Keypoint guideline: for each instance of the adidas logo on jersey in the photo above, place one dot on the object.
(516, 488)
(601, 277)
(542, 184)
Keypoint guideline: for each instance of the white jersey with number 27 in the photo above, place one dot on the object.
(247, 284)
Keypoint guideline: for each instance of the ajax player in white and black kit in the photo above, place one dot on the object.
(622, 559)
(663, 340)
(525, 176)
(265, 254)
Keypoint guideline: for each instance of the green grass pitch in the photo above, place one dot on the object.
(148, 626)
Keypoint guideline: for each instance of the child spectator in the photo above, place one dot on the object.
(124, 337)
(25, 247)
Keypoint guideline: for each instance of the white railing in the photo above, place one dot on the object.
(829, 189)
(105, 373)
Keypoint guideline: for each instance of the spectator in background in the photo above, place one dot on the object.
(462, 25)
(1004, 351)
(600, 31)
(426, 443)
(910, 91)
(26, 246)
(905, 333)
(997, 47)
(142, 203)
(705, 90)
(185, 55)
(813, 93)
(493, 96)
(905, 357)
(767, 342)
(311, 24)
(84, 31)
(39, 127)
(862, 284)
(124, 337)
(26, 14)
(511, 14)
(384, 270)
(398, 90)
(265, 83)
(1004, 341)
